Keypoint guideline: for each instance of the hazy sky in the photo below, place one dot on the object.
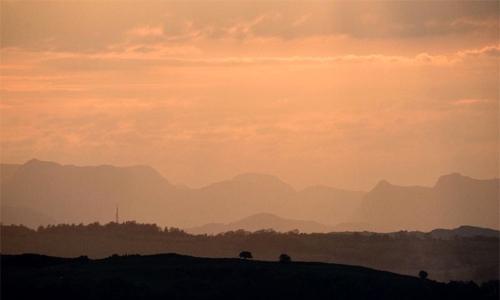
(316, 92)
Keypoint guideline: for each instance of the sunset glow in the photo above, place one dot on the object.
(329, 92)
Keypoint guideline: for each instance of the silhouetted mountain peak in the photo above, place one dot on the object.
(382, 184)
(451, 179)
(33, 161)
(263, 217)
(454, 201)
(85, 193)
(36, 163)
(146, 172)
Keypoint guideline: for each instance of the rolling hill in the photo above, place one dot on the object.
(262, 221)
(171, 276)
(464, 232)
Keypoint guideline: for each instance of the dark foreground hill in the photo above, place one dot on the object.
(171, 276)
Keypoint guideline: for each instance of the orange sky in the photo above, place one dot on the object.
(335, 93)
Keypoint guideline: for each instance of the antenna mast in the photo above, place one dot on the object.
(117, 214)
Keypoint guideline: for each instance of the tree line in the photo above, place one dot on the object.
(475, 258)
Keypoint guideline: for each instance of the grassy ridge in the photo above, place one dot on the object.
(172, 276)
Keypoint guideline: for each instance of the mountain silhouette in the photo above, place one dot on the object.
(464, 232)
(455, 200)
(266, 221)
(88, 194)
(71, 194)
(245, 194)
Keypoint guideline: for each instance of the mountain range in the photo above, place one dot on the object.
(47, 191)
(455, 200)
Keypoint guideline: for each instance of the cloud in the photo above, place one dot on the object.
(97, 71)
(89, 26)
(173, 56)
(468, 102)
(487, 51)
(433, 59)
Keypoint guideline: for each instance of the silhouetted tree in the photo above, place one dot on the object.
(285, 258)
(423, 274)
(246, 254)
(83, 260)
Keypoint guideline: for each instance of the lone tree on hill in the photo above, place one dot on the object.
(285, 258)
(246, 254)
(423, 274)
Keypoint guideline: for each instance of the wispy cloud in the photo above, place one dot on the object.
(467, 102)
(170, 55)
(488, 51)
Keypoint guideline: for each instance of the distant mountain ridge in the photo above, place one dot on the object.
(72, 194)
(80, 194)
(262, 221)
(464, 232)
(266, 221)
(455, 200)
